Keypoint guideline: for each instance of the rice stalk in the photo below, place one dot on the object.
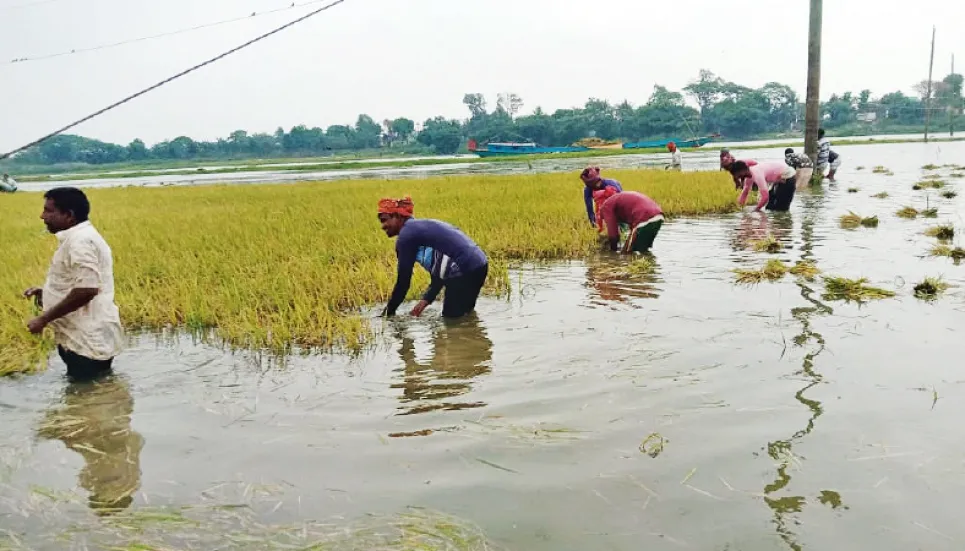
(840, 288)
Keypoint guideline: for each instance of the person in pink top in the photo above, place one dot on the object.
(774, 180)
(727, 159)
(641, 213)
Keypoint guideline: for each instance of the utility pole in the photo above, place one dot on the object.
(951, 106)
(812, 115)
(931, 62)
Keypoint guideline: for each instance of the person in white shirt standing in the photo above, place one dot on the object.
(78, 297)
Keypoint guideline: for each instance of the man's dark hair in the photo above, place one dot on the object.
(738, 166)
(70, 200)
(789, 151)
(820, 133)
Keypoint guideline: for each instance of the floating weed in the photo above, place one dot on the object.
(870, 222)
(853, 190)
(768, 244)
(882, 195)
(930, 213)
(944, 232)
(918, 187)
(932, 183)
(930, 288)
(956, 175)
(949, 194)
(851, 221)
(806, 269)
(859, 168)
(907, 212)
(773, 270)
(881, 170)
(930, 167)
(840, 288)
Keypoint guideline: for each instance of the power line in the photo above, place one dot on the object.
(155, 36)
(171, 78)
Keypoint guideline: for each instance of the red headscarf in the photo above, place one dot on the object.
(672, 146)
(590, 174)
(403, 207)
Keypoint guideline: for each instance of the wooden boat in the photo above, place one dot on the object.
(656, 144)
(518, 148)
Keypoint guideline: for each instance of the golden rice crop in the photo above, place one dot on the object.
(281, 265)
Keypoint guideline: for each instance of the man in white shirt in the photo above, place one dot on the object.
(7, 183)
(676, 162)
(78, 296)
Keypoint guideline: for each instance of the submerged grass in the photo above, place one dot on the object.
(851, 221)
(277, 266)
(949, 194)
(805, 269)
(932, 183)
(930, 212)
(930, 167)
(930, 288)
(881, 195)
(881, 170)
(853, 190)
(942, 231)
(840, 288)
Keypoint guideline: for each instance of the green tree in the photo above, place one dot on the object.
(443, 135)
(402, 128)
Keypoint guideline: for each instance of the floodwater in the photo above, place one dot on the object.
(676, 410)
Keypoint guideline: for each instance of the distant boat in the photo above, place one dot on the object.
(656, 144)
(518, 148)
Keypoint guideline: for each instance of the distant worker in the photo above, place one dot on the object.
(826, 157)
(7, 184)
(802, 164)
(675, 160)
(77, 299)
(642, 214)
(774, 180)
(593, 182)
(727, 159)
(445, 240)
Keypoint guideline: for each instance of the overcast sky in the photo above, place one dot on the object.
(416, 58)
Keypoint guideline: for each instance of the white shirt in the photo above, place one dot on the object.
(84, 260)
(675, 159)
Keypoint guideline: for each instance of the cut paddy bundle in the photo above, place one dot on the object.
(272, 266)
(768, 245)
(853, 190)
(943, 231)
(930, 212)
(930, 288)
(882, 170)
(852, 290)
(773, 270)
(930, 167)
(955, 253)
(851, 221)
(881, 195)
(907, 212)
(932, 183)
(805, 269)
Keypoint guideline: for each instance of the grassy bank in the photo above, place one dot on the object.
(274, 266)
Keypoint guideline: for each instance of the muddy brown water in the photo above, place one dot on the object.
(787, 421)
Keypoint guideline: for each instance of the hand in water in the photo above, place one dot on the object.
(419, 308)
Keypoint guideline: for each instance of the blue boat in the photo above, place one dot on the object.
(519, 148)
(658, 144)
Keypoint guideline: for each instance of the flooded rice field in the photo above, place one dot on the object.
(667, 410)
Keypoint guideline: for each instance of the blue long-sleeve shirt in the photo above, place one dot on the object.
(588, 196)
(443, 238)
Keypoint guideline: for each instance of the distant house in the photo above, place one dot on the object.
(868, 117)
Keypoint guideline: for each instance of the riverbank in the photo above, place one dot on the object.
(270, 266)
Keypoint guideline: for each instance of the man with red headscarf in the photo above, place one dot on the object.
(593, 182)
(676, 163)
(462, 269)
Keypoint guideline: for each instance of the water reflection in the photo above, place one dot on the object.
(756, 226)
(461, 351)
(782, 451)
(94, 420)
(621, 279)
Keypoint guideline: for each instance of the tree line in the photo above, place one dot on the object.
(707, 105)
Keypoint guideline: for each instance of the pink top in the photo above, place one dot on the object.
(629, 207)
(762, 174)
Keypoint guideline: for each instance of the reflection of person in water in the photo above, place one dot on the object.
(94, 420)
(757, 226)
(461, 351)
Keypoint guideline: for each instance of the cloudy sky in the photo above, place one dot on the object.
(417, 58)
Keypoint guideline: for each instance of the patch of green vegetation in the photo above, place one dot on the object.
(949, 194)
(768, 245)
(852, 290)
(851, 221)
(805, 269)
(882, 195)
(907, 212)
(882, 170)
(853, 190)
(773, 270)
(930, 288)
(930, 213)
(930, 167)
(957, 253)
